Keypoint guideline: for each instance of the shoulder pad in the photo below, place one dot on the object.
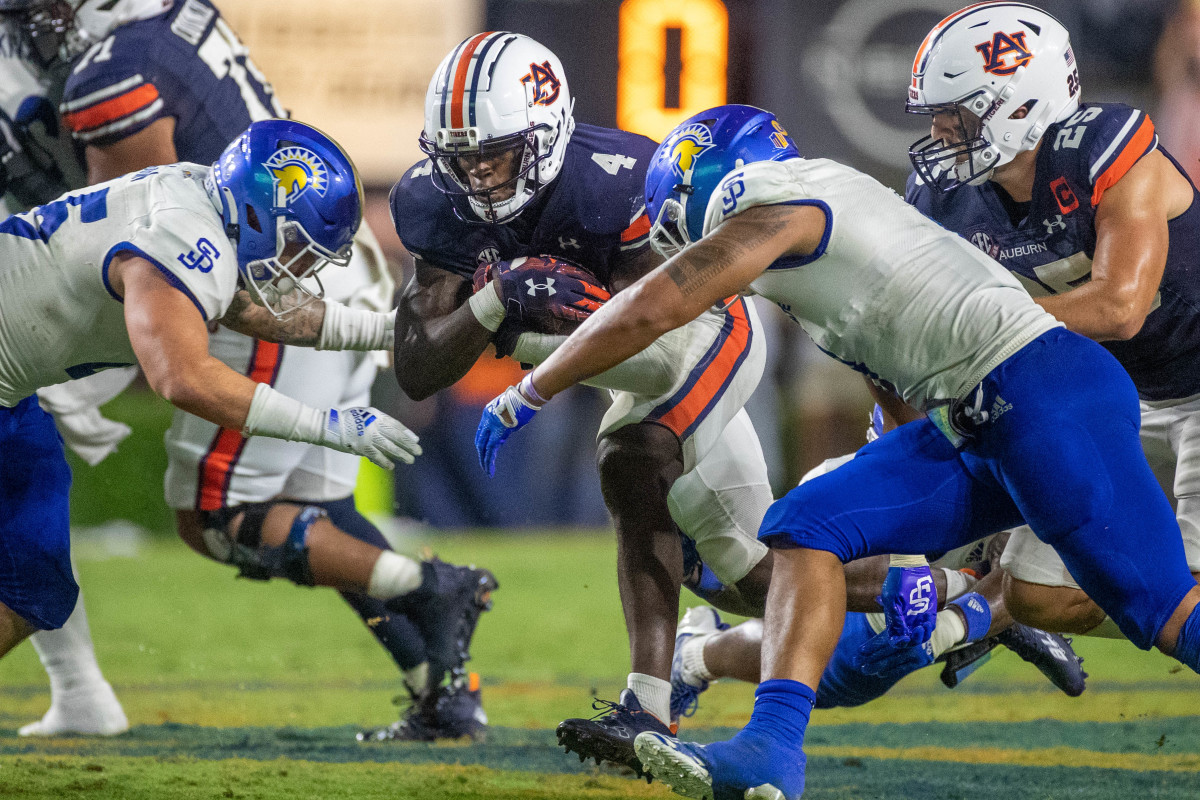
(426, 223)
(1098, 144)
(116, 88)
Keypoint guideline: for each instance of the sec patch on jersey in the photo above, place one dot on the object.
(542, 294)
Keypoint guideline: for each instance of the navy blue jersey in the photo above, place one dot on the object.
(1051, 249)
(186, 63)
(594, 211)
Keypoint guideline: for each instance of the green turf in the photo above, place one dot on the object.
(244, 689)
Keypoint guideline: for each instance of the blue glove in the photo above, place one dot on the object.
(506, 413)
(879, 656)
(909, 602)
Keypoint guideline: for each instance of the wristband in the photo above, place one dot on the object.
(487, 308)
(899, 560)
(346, 328)
(281, 417)
(525, 387)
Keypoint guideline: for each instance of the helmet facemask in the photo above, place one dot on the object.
(48, 31)
(668, 234)
(968, 159)
(280, 283)
(456, 155)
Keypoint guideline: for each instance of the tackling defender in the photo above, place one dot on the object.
(131, 271)
(1096, 219)
(1010, 438)
(510, 176)
(151, 82)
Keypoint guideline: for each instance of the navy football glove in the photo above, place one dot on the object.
(543, 294)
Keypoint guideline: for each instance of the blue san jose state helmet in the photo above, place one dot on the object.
(691, 162)
(285, 186)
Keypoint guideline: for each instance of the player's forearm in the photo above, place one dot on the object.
(301, 327)
(624, 326)
(1098, 312)
(432, 354)
(206, 388)
(653, 371)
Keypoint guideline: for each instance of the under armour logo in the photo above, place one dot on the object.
(1055, 224)
(565, 243)
(534, 288)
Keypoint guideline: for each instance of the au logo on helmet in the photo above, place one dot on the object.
(295, 170)
(545, 83)
(996, 52)
(688, 144)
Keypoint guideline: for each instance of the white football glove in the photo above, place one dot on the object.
(370, 433)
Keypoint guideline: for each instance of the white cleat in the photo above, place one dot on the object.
(699, 621)
(90, 711)
(764, 792)
(663, 758)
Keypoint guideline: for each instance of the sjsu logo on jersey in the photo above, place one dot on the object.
(996, 52)
(295, 170)
(689, 143)
(545, 83)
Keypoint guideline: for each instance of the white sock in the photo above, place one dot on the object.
(68, 654)
(958, 583)
(393, 575)
(653, 693)
(417, 679)
(695, 671)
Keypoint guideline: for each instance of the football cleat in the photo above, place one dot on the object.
(963, 661)
(609, 735)
(1051, 653)
(450, 712)
(683, 767)
(686, 688)
(446, 609)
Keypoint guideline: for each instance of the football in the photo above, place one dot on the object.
(543, 294)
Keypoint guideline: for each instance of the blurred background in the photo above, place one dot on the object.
(835, 73)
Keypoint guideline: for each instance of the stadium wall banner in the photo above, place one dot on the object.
(358, 71)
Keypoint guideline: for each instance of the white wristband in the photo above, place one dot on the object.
(282, 417)
(346, 328)
(898, 560)
(487, 308)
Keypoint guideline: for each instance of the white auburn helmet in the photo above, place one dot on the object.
(493, 93)
(984, 63)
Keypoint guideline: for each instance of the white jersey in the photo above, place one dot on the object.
(888, 292)
(59, 316)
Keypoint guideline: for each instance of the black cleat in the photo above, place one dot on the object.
(962, 662)
(450, 712)
(446, 608)
(609, 735)
(1050, 653)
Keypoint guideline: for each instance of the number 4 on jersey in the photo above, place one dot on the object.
(612, 163)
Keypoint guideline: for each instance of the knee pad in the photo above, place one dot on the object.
(246, 551)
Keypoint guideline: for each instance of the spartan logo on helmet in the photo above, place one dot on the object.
(545, 83)
(687, 145)
(295, 170)
(999, 48)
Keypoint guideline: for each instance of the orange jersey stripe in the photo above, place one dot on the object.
(687, 410)
(460, 80)
(217, 465)
(1129, 156)
(637, 229)
(112, 109)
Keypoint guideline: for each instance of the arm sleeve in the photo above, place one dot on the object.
(652, 372)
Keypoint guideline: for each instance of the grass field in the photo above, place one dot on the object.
(239, 689)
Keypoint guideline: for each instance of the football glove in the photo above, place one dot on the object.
(508, 412)
(370, 433)
(879, 656)
(909, 601)
(543, 294)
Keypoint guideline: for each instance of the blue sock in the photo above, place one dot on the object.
(769, 749)
(1187, 646)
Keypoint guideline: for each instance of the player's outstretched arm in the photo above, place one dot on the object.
(170, 339)
(438, 337)
(1131, 252)
(325, 325)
